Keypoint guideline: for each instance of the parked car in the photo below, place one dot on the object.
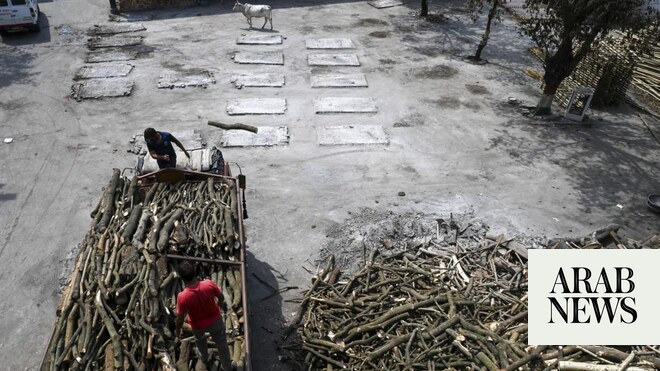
(16, 15)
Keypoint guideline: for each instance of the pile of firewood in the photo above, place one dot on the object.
(604, 238)
(118, 309)
(457, 302)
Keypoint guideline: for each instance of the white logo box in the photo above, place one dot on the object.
(643, 301)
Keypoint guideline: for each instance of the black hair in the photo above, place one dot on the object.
(149, 133)
(186, 271)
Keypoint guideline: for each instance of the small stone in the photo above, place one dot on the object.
(402, 193)
(9, 140)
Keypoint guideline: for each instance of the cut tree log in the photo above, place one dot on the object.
(582, 366)
(110, 327)
(236, 126)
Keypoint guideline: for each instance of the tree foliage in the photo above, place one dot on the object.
(567, 30)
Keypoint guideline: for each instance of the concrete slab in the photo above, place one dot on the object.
(333, 60)
(258, 80)
(257, 106)
(191, 139)
(110, 55)
(345, 105)
(259, 58)
(380, 4)
(102, 88)
(266, 137)
(181, 80)
(113, 41)
(329, 44)
(259, 39)
(339, 81)
(351, 134)
(103, 71)
(115, 28)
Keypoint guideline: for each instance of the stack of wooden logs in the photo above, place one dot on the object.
(118, 309)
(604, 238)
(457, 302)
(646, 78)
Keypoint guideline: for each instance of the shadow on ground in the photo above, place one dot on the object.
(29, 38)
(6, 196)
(16, 61)
(264, 285)
(611, 162)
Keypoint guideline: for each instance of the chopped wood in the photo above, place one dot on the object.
(236, 126)
(118, 309)
(458, 300)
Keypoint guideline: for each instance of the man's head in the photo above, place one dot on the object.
(151, 135)
(186, 271)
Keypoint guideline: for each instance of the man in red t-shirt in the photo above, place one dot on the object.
(197, 300)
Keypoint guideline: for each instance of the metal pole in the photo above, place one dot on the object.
(203, 260)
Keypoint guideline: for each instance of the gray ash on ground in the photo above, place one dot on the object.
(370, 22)
(380, 34)
(411, 120)
(389, 231)
(440, 71)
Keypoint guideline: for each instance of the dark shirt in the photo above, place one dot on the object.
(163, 148)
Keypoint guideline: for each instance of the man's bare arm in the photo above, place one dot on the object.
(179, 324)
(158, 157)
(176, 141)
(221, 300)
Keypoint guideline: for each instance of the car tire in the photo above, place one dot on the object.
(35, 27)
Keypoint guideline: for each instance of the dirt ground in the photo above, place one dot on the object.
(455, 146)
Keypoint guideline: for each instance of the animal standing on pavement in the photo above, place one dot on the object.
(255, 11)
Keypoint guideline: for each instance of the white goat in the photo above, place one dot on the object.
(255, 11)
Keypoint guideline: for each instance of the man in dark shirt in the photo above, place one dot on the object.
(160, 147)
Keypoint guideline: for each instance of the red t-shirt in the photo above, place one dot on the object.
(199, 303)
